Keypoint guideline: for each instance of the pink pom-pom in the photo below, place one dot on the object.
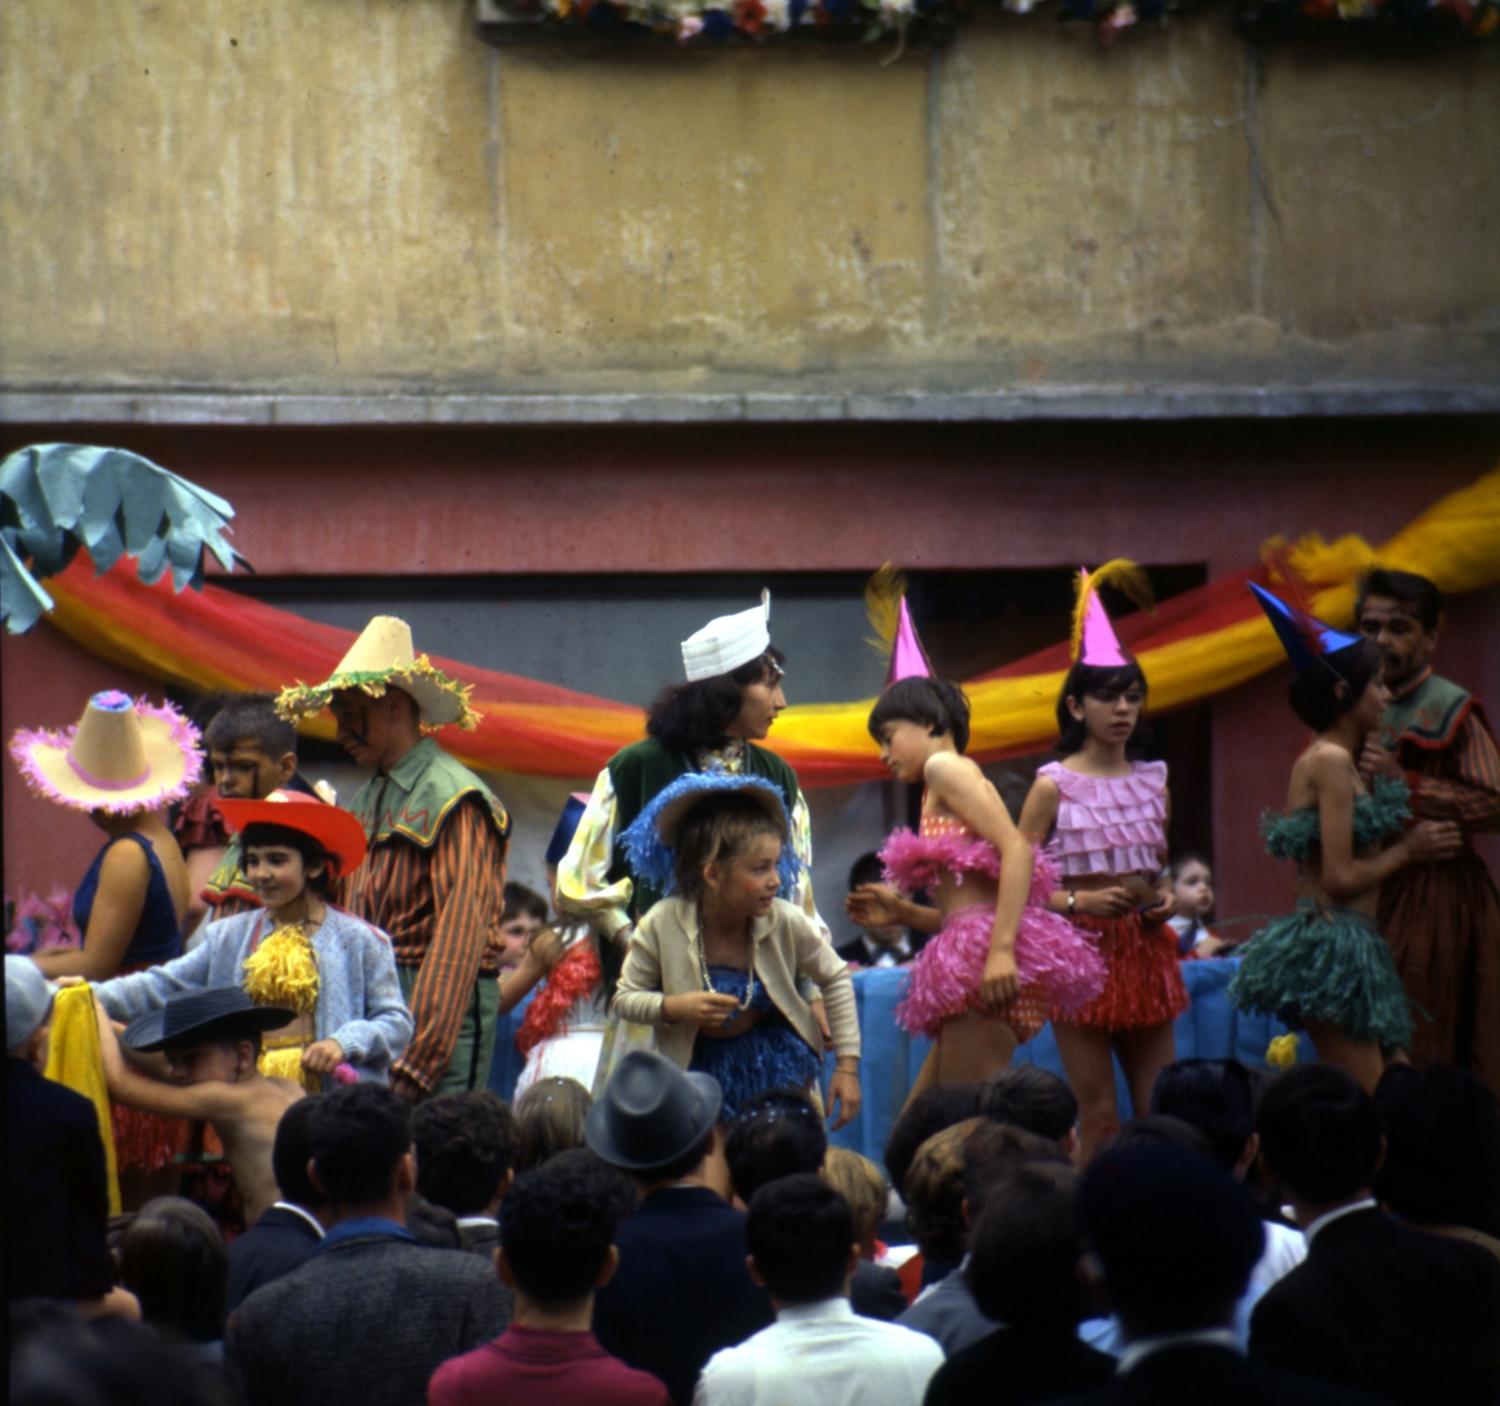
(345, 1074)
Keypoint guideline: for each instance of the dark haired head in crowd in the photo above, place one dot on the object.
(1322, 694)
(1175, 1235)
(557, 1230)
(361, 1134)
(292, 1151)
(1319, 1135)
(520, 899)
(610, 1182)
(1106, 683)
(935, 1195)
(801, 1239)
(465, 1143)
(1442, 1160)
(775, 1134)
(700, 716)
(1029, 1097)
(1158, 1129)
(995, 1152)
(935, 704)
(1215, 1096)
(252, 750)
(867, 869)
(549, 1120)
(1025, 1249)
(925, 1115)
(172, 1258)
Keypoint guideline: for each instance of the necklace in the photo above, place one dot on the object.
(708, 984)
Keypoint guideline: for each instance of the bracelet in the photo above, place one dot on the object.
(1072, 902)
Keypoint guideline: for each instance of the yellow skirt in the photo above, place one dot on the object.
(281, 1058)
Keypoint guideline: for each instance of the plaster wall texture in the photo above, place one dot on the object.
(357, 197)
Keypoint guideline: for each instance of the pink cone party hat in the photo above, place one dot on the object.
(1094, 640)
(894, 633)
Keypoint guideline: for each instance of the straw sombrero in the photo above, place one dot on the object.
(382, 657)
(123, 755)
(336, 830)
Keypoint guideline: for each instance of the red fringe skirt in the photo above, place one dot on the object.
(1143, 985)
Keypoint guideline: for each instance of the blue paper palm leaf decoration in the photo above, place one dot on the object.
(56, 499)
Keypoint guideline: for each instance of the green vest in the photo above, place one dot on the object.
(643, 769)
(416, 796)
(1427, 717)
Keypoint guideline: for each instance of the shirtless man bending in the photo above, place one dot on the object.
(211, 1041)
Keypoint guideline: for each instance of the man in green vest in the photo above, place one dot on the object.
(712, 721)
(1442, 920)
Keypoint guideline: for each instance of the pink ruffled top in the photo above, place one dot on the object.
(947, 848)
(1110, 824)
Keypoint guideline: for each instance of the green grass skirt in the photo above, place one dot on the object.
(1325, 964)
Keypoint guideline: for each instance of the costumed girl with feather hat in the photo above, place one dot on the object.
(1105, 813)
(1325, 967)
(1000, 962)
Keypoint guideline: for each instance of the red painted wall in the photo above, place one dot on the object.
(779, 498)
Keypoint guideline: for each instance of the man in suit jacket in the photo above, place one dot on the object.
(290, 1231)
(682, 1291)
(1176, 1238)
(1407, 1316)
(372, 1314)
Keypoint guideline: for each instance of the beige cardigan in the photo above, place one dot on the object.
(663, 961)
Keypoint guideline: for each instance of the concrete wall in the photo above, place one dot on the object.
(358, 197)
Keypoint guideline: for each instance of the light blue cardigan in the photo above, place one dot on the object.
(359, 998)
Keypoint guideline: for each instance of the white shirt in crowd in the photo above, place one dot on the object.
(822, 1354)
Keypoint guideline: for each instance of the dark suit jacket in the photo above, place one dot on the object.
(1198, 1374)
(275, 1245)
(682, 1291)
(56, 1198)
(1400, 1313)
(1013, 1366)
(365, 1320)
(876, 1292)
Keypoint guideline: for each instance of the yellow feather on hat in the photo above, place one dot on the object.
(884, 592)
(1124, 575)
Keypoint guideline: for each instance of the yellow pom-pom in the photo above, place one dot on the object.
(1281, 1053)
(283, 971)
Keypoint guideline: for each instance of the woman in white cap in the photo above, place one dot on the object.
(123, 763)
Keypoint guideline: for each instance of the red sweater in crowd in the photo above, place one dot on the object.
(542, 1367)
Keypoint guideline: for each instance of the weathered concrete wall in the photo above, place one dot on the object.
(359, 196)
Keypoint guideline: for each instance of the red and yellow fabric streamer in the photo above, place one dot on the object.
(1193, 646)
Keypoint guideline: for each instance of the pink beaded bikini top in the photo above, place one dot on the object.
(946, 847)
(1110, 824)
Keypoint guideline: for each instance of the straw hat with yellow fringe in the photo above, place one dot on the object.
(123, 755)
(382, 657)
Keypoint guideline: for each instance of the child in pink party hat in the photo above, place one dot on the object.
(999, 961)
(1105, 812)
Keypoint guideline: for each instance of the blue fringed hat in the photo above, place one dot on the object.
(650, 841)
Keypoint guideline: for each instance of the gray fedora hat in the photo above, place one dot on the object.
(219, 1012)
(651, 1113)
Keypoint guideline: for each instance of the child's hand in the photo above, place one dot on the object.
(1112, 902)
(1162, 909)
(61, 981)
(874, 906)
(843, 1098)
(1000, 981)
(1434, 839)
(323, 1056)
(699, 1008)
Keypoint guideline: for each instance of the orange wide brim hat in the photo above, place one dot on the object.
(336, 830)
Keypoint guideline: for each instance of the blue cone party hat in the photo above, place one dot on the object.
(1304, 637)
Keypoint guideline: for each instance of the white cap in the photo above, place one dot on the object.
(725, 643)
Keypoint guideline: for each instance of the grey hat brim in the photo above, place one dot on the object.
(601, 1139)
(146, 1034)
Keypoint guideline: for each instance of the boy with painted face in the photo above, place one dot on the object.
(332, 972)
(1441, 920)
(211, 1042)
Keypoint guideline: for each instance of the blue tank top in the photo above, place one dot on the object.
(158, 935)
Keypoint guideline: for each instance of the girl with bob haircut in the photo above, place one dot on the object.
(1325, 968)
(1105, 812)
(715, 965)
(296, 951)
(1000, 961)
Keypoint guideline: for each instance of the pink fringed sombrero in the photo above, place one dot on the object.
(123, 755)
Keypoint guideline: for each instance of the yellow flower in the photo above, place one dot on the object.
(1281, 1053)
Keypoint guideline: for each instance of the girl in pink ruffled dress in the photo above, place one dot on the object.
(1000, 962)
(1106, 815)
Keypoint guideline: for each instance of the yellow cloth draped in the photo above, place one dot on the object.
(73, 1059)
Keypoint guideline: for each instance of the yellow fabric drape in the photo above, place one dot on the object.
(73, 1059)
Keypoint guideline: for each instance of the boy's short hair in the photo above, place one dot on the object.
(1025, 1247)
(1320, 1133)
(172, 1258)
(251, 717)
(925, 1115)
(1416, 593)
(867, 869)
(801, 1236)
(1029, 1097)
(520, 899)
(359, 1133)
(934, 1191)
(862, 1184)
(994, 1152)
(935, 704)
(775, 1134)
(1213, 1095)
(466, 1143)
(557, 1223)
(293, 1150)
